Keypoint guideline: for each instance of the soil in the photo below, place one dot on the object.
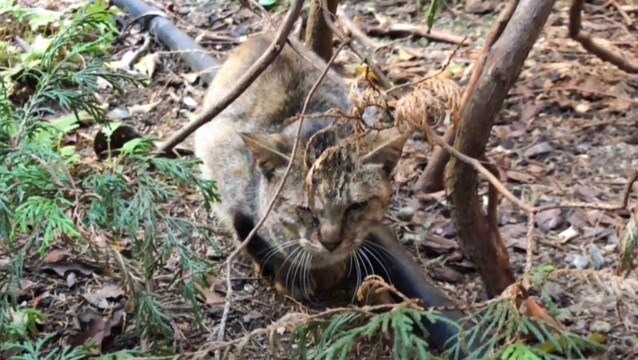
(567, 132)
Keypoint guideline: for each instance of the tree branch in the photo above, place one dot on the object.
(242, 84)
(502, 66)
(431, 180)
(318, 34)
(596, 46)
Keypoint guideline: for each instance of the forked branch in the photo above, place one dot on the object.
(598, 47)
(502, 66)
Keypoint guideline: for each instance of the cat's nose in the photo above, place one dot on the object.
(330, 236)
(330, 246)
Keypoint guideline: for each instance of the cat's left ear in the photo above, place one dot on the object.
(270, 151)
(387, 149)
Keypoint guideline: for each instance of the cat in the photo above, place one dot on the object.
(339, 188)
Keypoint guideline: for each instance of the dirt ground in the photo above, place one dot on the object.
(568, 132)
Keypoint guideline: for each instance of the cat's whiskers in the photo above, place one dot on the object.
(278, 248)
(382, 250)
(379, 260)
(292, 254)
(358, 273)
(307, 278)
(364, 256)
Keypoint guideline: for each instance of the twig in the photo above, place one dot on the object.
(383, 79)
(356, 32)
(628, 20)
(596, 46)
(254, 231)
(414, 83)
(423, 31)
(531, 211)
(242, 84)
(481, 169)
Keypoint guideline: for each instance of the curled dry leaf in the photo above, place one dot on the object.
(147, 63)
(60, 263)
(429, 104)
(99, 328)
(539, 149)
(105, 297)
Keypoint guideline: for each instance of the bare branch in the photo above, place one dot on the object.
(259, 224)
(251, 74)
(596, 46)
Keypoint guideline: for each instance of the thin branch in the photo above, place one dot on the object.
(432, 177)
(596, 46)
(254, 231)
(482, 170)
(242, 84)
(383, 79)
(532, 211)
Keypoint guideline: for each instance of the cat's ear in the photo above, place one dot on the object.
(270, 151)
(386, 149)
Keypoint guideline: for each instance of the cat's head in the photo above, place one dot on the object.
(336, 190)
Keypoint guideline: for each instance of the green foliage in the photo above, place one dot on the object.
(497, 331)
(39, 350)
(51, 192)
(337, 337)
(500, 322)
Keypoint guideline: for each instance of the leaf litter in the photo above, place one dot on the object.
(567, 132)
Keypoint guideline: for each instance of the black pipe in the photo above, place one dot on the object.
(170, 35)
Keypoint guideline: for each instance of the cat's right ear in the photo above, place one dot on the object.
(270, 151)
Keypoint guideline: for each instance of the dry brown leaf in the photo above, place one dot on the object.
(105, 297)
(520, 176)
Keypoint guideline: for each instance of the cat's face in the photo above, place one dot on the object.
(334, 194)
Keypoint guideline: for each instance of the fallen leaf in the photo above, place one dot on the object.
(146, 65)
(404, 55)
(210, 297)
(447, 274)
(549, 220)
(521, 177)
(105, 297)
(99, 328)
(583, 107)
(55, 256)
(61, 263)
(144, 108)
(568, 234)
(538, 150)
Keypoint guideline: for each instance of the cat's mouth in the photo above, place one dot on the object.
(321, 255)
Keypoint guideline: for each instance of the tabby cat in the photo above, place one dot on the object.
(338, 188)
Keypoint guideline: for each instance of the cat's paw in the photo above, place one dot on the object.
(297, 290)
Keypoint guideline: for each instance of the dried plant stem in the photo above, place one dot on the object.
(253, 233)
(252, 73)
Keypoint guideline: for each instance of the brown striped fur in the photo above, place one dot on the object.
(337, 188)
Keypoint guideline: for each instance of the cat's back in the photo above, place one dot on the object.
(277, 94)
(280, 90)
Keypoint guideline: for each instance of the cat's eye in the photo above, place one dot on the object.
(304, 210)
(357, 206)
(306, 214)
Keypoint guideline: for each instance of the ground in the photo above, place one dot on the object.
(567, 132)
